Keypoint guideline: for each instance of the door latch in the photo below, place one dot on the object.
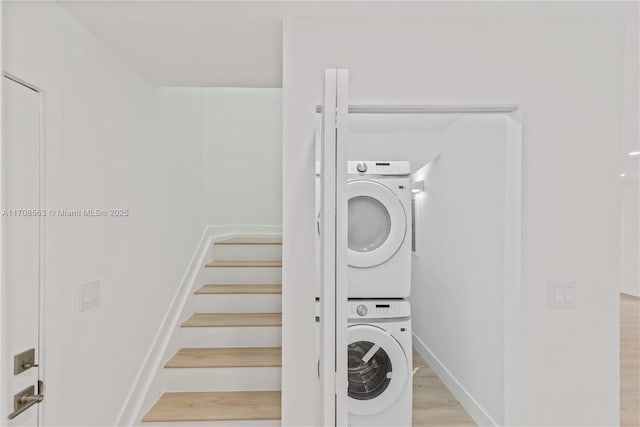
(23, 361)
(24, 400)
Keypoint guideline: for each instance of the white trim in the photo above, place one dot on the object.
(40, 350)
(3, 398)
(512, 348)
(473, 408)
(22, 82)
(152, 364)
(341, 240)
(328, 257)
(429, 109)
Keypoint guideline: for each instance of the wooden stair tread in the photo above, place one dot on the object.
(251, 241)
(240, 289)
(200, 320)
(215, 406)
(246, 263)
(236, 357)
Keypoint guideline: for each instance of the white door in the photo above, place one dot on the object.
(333, 250)
(21, 224)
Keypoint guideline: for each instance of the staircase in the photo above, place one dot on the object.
(227, 371)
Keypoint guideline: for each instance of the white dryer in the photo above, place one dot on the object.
(379, 229)
(379, 363)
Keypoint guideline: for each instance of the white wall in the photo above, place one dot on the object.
(568, 78)
(416, 138)
(111, 141)
(242, 156)
(458, 282)
(630, 237)
(630, 167)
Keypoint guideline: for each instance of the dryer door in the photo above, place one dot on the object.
(377, 369)
(377, 224)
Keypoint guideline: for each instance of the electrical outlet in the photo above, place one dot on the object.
(561, 294)
(89, 295)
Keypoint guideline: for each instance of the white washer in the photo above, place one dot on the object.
(379, 363)
(379, 237)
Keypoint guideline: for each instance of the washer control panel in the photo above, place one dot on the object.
(378, 309)
(369, 167)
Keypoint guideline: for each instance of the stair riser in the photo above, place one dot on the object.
(259, 423)
(246, 336)
(223, 379)
(242, 275)
(246, 252)
(249, 303)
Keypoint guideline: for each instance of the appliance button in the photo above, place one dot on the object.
(362, 167)
(362, 310)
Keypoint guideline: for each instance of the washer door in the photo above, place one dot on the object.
(377, 224)
(377, 370)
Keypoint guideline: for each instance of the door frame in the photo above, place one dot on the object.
(512, 273)
(333, 236)
(41, 350)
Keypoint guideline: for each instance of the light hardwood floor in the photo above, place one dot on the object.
(433, 404)
(629, 361)
(235, 357)
(216, 406)
(212, 320)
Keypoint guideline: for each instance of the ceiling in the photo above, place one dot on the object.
(211, 43)
(229, 43)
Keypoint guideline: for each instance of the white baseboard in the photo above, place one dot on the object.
(473, 408)
(131, 409)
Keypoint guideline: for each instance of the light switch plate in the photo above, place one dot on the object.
(89, 295)
(562, 293)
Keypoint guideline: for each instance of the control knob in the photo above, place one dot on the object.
(361, 167)
(361, 310)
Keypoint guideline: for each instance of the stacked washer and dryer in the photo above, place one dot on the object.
(379, 281)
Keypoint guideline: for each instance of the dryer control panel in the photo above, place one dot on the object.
(378, 309)
(381, 168)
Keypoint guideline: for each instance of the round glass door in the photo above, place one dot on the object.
(377, 369)
(369, 224)
(377, 223)
(370, 370)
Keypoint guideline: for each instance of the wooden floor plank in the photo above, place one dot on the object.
(433, 403)
(237, 357)
(245, 263)
(251, 241)
(215, 406)
(239, 289)
(629, 361)
(203, 320)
